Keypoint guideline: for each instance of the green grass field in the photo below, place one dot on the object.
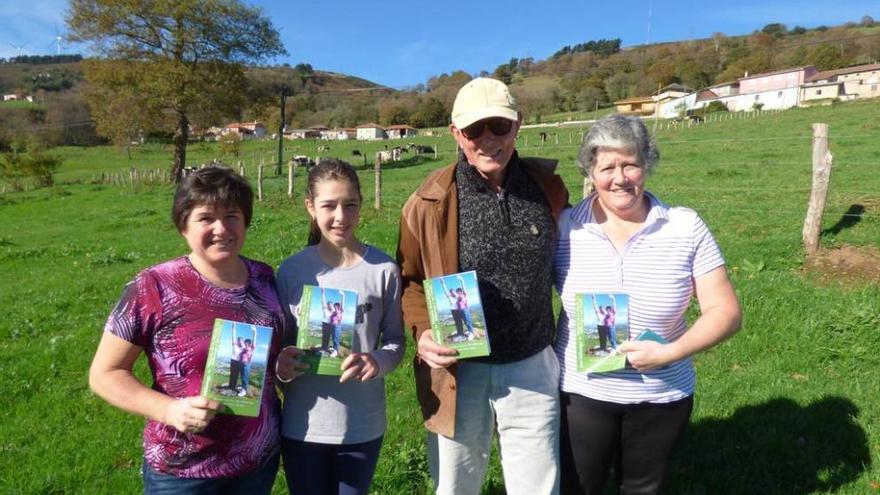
(791, 405)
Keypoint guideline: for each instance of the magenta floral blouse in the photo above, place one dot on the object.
(169, 310)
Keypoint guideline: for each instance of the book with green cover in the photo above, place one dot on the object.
(325, 321)
(456, 314)
(235, 372)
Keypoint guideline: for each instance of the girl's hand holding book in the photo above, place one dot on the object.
(359, 366)
(288, 367)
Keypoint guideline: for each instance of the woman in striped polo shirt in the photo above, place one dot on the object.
(622, 239)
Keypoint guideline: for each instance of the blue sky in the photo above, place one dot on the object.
(404, 43)
(452, 282)
(246, 332)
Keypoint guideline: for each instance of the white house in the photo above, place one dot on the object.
(401, 131)
(371, 132)
(775, 90)
(345, 133)
(246, 130)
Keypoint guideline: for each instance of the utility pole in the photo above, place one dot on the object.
(284, 96)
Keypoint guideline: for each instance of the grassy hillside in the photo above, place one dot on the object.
(788, 406)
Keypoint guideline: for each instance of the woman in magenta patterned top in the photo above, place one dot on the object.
(168, 314)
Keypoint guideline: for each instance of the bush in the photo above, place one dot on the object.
(36, 164)
(716, 106)
(229, 145)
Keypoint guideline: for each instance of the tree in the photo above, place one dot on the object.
(776, 29)
(430, 112)
(188, 55)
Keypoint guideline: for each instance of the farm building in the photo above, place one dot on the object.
(301, 134)
(672, 100)
(401, 131)
(345, 133)
(640, 105)
(246, 130)
(371, 132)
(849, 83)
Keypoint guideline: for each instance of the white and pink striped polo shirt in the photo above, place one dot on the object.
(656, 268)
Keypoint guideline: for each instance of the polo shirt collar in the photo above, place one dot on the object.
(583, 212)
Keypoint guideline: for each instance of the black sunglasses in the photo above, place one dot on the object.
(498, 126)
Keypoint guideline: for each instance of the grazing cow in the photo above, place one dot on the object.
(356, 153)
(385, 156)
(303, 161)
(324, 147)
(424, 149)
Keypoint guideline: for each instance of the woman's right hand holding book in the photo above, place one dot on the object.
(288, 367)
(191, 414)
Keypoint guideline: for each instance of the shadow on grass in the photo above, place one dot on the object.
(849, 219)
(778, 447)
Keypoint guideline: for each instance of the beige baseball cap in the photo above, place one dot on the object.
(483, 98)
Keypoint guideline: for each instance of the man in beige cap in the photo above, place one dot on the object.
(495, 213)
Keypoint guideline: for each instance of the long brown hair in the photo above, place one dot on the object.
(328, 169)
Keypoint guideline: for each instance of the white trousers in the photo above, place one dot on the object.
(522, 400)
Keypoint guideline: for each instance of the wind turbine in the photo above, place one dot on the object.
(17, 47)
(58, 39)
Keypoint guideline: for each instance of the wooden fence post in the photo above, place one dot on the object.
(822, 160)
(259, 182)
(377, 171)
(291, 167)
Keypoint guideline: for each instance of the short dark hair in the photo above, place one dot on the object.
(215, 186)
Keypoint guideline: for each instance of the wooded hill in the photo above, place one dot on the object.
(575, 79)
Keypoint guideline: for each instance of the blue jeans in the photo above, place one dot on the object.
(245, 376)
(259, 481)
(521, 401)
(337, 334)
(466, 320)
(319, 468)
(612, 336)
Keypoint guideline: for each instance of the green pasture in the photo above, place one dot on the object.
(791, 405)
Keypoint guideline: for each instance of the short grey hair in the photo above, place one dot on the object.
(618, 131)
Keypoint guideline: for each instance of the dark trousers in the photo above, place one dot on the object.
(604, 335)
(327, 469)
(234, 373)
(637, 438)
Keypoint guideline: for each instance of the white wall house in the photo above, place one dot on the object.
(246, 130)
(401, 131)
(773, 99)
(370, 132)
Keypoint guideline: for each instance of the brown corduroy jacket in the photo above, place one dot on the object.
(428, 248)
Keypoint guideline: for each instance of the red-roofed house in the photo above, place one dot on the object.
(246, 130)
